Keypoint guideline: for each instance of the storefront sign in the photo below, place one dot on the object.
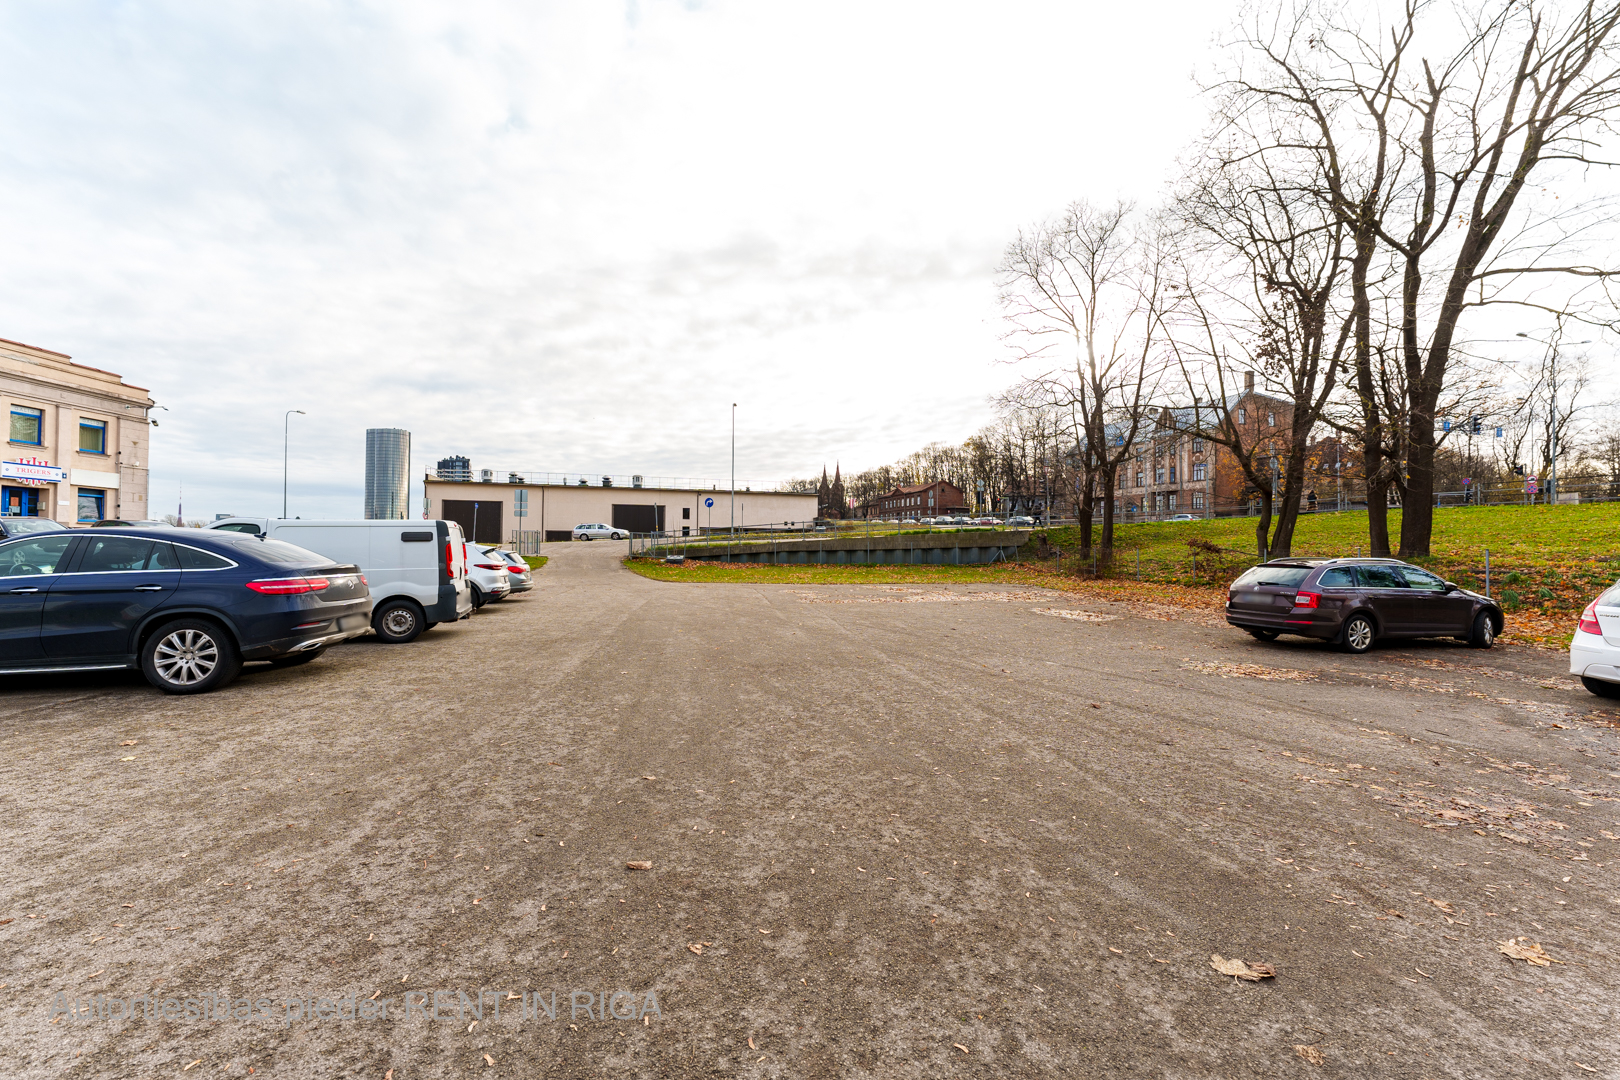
(32, 471)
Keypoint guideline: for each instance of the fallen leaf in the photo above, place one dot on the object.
(478, 899)
(1527, 950)
(1114, 950)
(129, 742)
(1577, 1064)
(193, 1065)
(1443, 906)
(1240, 969)
(638, 865)
(695, 947)
(762, 930)
(471, 1026)
(488, 1061)
(649, 777)
(1311, 1054)
(751, 1045)
(960, 1047)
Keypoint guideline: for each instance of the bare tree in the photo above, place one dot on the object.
(1084, 298)
(1429, 163)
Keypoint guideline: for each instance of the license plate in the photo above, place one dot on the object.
(351, 622)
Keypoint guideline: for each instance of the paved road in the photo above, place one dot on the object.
(914, 832)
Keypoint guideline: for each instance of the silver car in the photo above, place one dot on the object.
(598, 532)
(522, 574)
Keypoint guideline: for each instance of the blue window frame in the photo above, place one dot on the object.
(27, 425)
(92, 436)
(91, 504)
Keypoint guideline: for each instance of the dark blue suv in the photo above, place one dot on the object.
(185, 606)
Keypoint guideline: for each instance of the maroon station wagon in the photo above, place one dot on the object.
(1353, 602)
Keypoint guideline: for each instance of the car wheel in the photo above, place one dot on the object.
(1358, 634)
(613, 536)
(478, 598)
(1263, 635)
(1484, 635)
(1600, 688)
(397, 622)
(297, 658)
(583, 536)
(189, 656)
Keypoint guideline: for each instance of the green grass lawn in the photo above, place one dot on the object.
(536, 561)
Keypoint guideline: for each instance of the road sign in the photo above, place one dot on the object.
(520, 503)
(1530, 486)
(709, 503)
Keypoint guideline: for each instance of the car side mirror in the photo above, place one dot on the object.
(1451, 586)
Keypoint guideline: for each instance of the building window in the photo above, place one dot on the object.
(1198, 502)
(1200, 471)
(1172, 474)
(91, 503)
(27, 425)
(1158, 475)
(1271, 419)
(1243, 416)
(1139, 475)
(686, 513)
(1198, 446)
(92, 436)
(1172, 500)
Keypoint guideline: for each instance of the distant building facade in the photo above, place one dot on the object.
(388, 473)
(78, 447)
(455, 468)
(916, 501)
(830, 500)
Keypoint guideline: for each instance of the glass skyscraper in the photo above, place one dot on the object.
(388, 473)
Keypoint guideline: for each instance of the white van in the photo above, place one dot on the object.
(417, 570)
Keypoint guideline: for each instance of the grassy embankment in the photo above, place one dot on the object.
(536, 561)
(1547, 562)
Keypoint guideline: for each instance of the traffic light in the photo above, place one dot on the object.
(1518, 470)
(1474, 424)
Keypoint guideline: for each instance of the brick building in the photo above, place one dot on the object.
(915, 501)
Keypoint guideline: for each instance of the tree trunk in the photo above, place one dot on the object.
(1106, 556)
(1262, 528)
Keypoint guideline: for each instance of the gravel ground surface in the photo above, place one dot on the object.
(892, 831)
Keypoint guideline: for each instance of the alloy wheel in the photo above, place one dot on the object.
(186, 657)
(1359, 635)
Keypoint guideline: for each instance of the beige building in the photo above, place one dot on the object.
(487, 511)
(78, 444)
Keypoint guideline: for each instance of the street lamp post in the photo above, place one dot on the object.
(733, 466)
(286, 427)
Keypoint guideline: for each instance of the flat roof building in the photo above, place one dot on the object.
(488, 511)
(388, 473)
(77, 439)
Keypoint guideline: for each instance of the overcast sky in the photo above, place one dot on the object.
(556, 236)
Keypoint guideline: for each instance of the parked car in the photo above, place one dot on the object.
(1020, 522)
(1594, 652)
(417, 569)
(187, 609)
(15, 525)
(140, 523)
(1181, 517)
(518, 566)
(598, 532)
(1354, 602)
(489, 575)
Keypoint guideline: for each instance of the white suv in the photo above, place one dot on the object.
(488, 574)
(598, 532)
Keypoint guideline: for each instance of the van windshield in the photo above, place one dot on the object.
(1286, 576)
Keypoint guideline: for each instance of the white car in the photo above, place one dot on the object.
(1181, 517)
(488, 574)
(598, 532)
(1594, 651)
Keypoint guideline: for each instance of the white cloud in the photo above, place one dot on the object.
(556, 237)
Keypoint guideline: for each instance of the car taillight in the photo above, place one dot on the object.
(288, 586)
(364, 582)
(487, 565)
(515, 569)
(449, 561)
(1589, 623)
(1307, 599)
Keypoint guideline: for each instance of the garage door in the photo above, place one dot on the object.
(638, 518)
(480, 520)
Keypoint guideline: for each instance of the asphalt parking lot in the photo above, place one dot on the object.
(893, 831)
